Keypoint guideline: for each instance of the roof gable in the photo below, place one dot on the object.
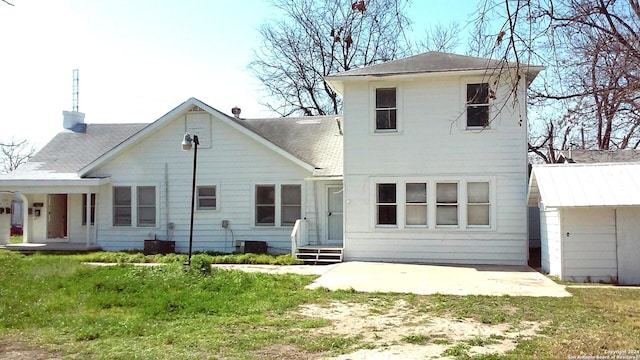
(184, 107)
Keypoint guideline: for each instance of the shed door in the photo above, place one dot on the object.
(628, 234)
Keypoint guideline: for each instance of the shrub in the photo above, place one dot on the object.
(201, 263)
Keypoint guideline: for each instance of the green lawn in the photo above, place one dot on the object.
(57, 305)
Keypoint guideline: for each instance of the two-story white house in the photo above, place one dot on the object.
(435, 160)
(435, 170)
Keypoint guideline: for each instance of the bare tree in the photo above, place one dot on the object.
(591, 49)
(317, 38)
(14, 154)
(442, 38)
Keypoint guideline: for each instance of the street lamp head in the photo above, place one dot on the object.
(187, 142)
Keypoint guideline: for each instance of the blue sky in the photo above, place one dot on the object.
(138, 59)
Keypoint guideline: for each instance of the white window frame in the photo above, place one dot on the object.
(214, 197)
(278, 203)
(140, 206)
(283, 205)
(115, 206)
(134, 205)
(456, 204)
(472, 204)
(492, 124)
(378, 204)
(424, 204)
(399, 108)
(93, 209)
(431, 204)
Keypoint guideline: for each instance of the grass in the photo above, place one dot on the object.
(164, 312)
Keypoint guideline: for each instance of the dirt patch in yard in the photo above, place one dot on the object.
(397, 332)
(12, 349)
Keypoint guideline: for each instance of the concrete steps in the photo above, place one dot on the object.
(318, 255)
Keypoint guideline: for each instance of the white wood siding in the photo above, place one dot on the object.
(551, 251)
(432, 144)
(628, 237)
(234, 163)
(589, 244)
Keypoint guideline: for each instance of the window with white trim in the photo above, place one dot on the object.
(386, 110)
(84, 209)
(416, 204)
(478, 204)
(386, 205)
(291, 204)
(265, 205)
(207, 199)
(146, 206)
(446, 203)
(122, 206)
(477, 105)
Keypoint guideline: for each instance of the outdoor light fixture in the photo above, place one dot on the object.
(188, 142)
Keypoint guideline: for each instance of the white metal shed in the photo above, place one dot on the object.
(589, 220)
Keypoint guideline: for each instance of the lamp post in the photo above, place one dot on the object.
(188, 142)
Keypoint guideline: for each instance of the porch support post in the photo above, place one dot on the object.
(88, 218)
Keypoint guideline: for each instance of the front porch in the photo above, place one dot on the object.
(58, 248)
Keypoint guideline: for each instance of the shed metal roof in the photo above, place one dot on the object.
(581, 185)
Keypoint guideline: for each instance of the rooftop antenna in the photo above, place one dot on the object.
(76, 90)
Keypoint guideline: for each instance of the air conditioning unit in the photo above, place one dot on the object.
(254, 247)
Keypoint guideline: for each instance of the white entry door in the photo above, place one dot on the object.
(334, 215)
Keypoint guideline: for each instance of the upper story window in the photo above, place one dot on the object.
(477, 105)
(386, 110)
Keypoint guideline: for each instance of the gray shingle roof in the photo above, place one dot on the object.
(428, 62)
(315, 140)
(602, 156)
(70, 151)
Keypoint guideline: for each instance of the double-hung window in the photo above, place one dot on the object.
(122, 206)
(84, 209)
(416, 204)
(477, 105)
(265, 205)
(386, 205)
(386, 110)
(478, 204)
(146, 206)
(291, 204)
(446, 204)
(207, 198)
(280, 204)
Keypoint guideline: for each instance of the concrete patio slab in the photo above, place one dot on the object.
(421, 279)
(439, 279)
